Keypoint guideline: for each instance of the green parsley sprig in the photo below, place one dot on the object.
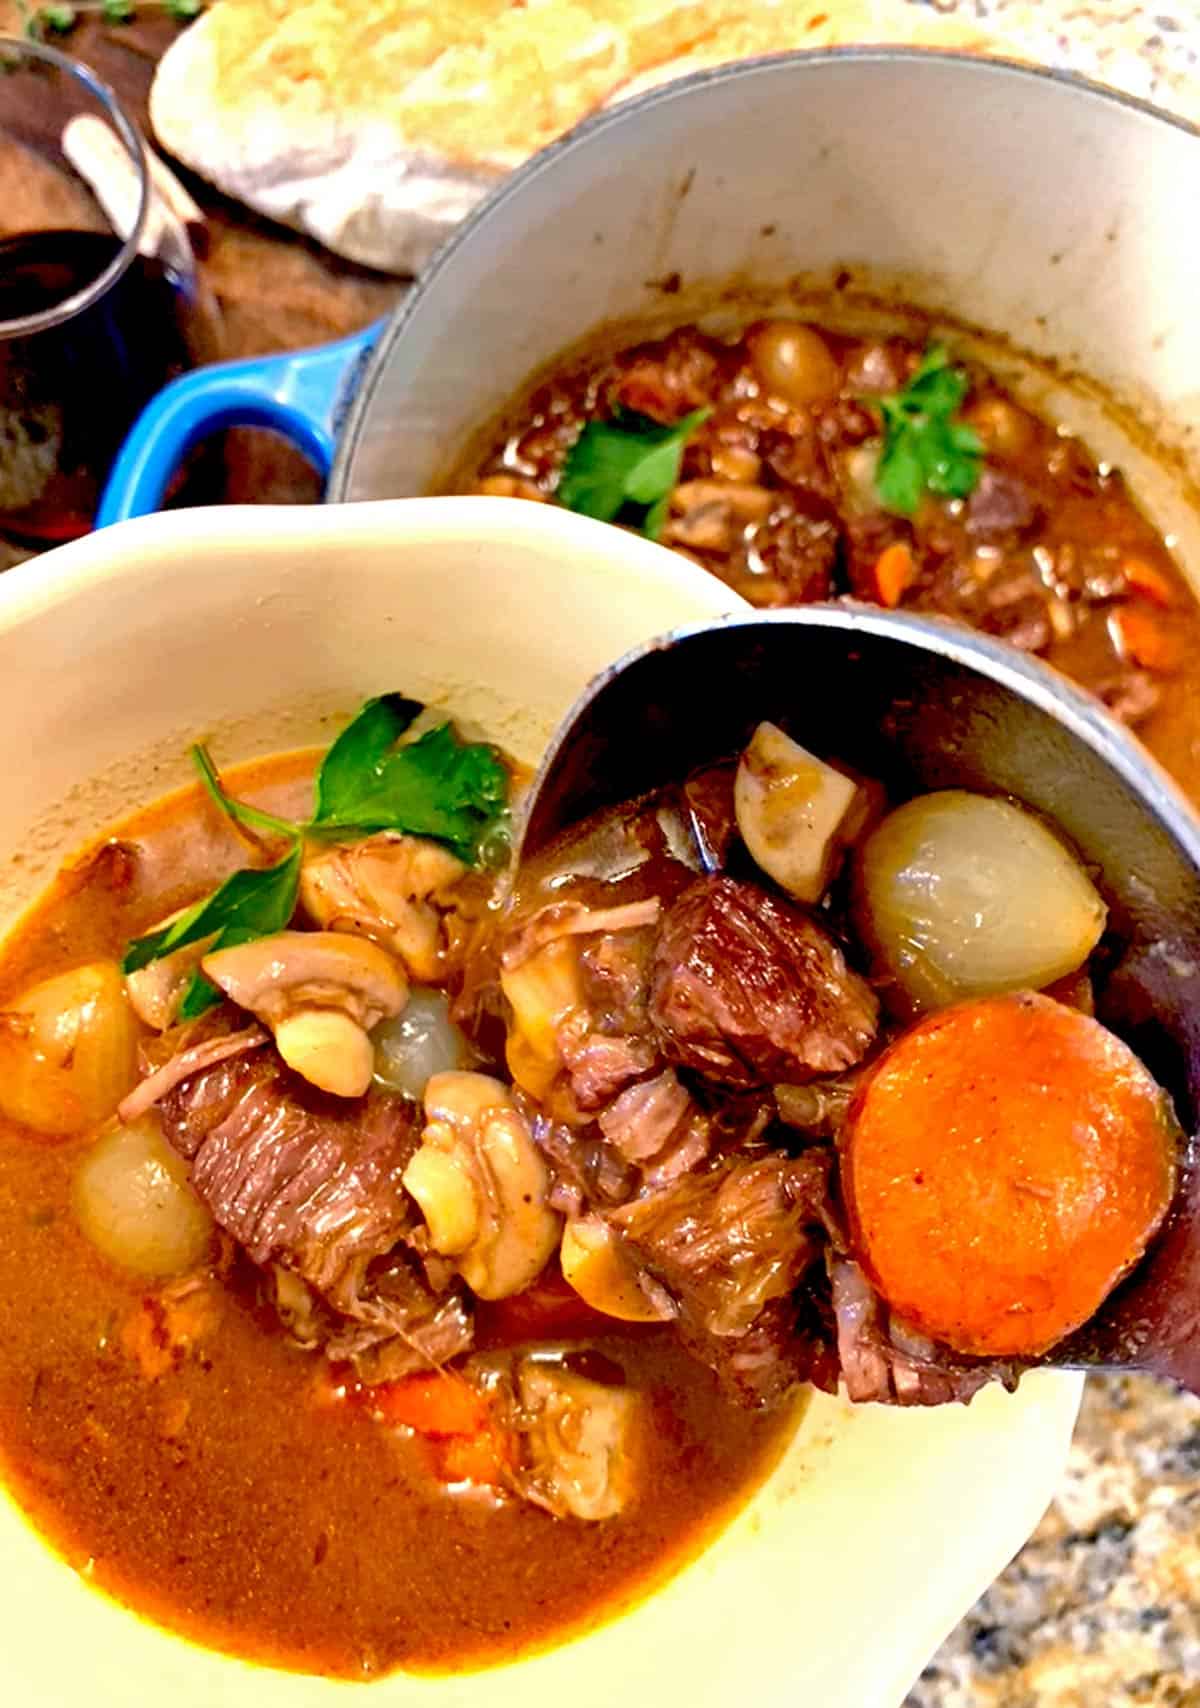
(438, 786)
(924, 448)
(624, 469)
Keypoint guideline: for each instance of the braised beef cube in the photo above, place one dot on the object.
(883, 1360)
(1002, 508)
(301, 1179)
(1015, 607)
(671, 377)
(727, 1240)
(799, 549)
(747, 989)
(784, 1346)
(799, 459)
(845, 423)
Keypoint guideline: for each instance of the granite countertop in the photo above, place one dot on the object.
(1101, 1609)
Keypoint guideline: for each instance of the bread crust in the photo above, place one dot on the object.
(376, 128)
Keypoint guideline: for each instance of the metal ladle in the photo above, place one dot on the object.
(926, 704)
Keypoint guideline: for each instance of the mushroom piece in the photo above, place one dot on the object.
(578, 1437)
(393, 889)
(320, 992)
(597, 1265)
(482, 1185)
(156, 990)
(795, 813)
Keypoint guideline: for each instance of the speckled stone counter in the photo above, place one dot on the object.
(1102, 1607)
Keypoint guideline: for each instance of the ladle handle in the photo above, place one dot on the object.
(302, 394)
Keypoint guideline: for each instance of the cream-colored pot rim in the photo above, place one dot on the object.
(879, 1528)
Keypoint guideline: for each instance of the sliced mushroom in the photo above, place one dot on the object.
(482, 1185)
(393, 889)
(595, 1262)
(156, 990)
(320, 992)
(579, 1441)
(796, 813)
(542, 992)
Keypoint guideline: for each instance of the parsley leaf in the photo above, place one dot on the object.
(251, 903)
(623, 470)
(924, 448)
(241, 812)
(361, 746)
(436, 786)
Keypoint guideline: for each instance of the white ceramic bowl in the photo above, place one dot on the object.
(878, 1528)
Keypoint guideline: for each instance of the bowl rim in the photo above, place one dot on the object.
(353, 420)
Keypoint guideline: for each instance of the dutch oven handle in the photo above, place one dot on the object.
(302, 395)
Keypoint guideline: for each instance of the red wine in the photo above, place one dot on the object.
(69, 395)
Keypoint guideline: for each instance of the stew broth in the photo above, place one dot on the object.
(194, 1464)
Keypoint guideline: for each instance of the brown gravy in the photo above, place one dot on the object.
(223, 1489)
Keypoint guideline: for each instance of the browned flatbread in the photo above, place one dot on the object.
(375, 128)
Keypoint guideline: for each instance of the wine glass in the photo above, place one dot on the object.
(100, 303)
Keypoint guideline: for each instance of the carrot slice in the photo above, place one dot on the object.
(1006, 1163)
(895, 572)
(472, 1459)
(1139, 635)
(1145, 579)
(437, 1403)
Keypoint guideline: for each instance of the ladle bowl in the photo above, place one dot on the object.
(925, 704)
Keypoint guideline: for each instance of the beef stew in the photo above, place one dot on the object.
(434, 1222)
(780, 435)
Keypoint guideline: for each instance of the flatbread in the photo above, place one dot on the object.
(376, 128)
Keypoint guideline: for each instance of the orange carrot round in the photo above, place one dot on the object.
(895, 572)
(1005, 1164)
(435, 1402)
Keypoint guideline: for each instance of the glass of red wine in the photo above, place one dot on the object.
(94, 316)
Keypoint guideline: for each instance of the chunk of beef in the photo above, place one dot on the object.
(585, 1170)
(296, 1176)
(1002, 508)
(730, 1245)
(600, 1066)
(748, 989)
(657, 1125)
(400, 1324)
(575, 978)
(796, 552)
(785, 1345)
(669, 378)
(727, 1240)
(311, 1184)
(883, 1360)
(798, 458)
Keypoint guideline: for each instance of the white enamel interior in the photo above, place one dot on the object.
(255, 626)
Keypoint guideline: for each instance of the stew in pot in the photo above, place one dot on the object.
(799, 464)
